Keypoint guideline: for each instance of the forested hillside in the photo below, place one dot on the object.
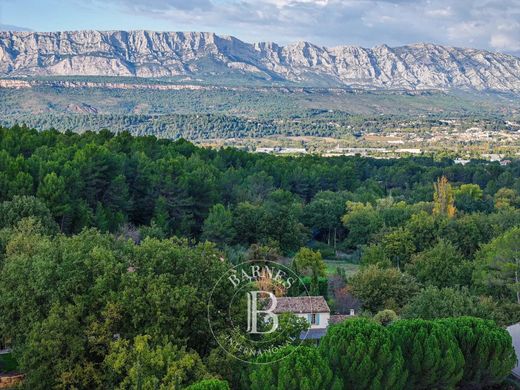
(108, 244)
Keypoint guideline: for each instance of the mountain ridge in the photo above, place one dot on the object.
(144, 53)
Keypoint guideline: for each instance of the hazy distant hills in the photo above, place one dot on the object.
(206, 55)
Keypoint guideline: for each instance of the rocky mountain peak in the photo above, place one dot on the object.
(144, 53)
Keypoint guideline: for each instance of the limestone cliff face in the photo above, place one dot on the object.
(163, 54)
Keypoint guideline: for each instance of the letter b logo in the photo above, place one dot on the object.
(252, 312)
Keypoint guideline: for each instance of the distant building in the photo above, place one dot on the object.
(264, 150)
(292, 151)
(411, 151)
(315, 310)
(492, 156)
(461, 161)
(280, 150)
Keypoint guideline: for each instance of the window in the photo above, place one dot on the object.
(314, 319)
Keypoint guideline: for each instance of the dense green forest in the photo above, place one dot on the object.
(197, 126)
(108, 244)
(198, 111)
(108, 95)
(315, 123)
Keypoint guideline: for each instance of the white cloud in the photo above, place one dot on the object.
(285, 3)
(504, 42)
(440, 12)
(488, 24)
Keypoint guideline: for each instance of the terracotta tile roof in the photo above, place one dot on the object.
(302, 305)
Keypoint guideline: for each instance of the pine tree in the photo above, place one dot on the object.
(293, 368)
(53, 192)
(363, 355)
(431, 354)
(488, 352)
(218, 226)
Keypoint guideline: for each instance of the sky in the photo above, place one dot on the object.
(484, 24)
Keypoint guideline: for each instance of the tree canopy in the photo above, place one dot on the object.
(431, 353)
(363, 355)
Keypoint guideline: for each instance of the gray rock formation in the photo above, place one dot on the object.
(194, 54)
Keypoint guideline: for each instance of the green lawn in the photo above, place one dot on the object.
(332, 265)
(7, 363)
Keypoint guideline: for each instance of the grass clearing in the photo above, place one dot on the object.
(332, 265)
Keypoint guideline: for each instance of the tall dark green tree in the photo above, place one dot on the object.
(362, 222)
(431, 354)
(488, 351)
(293, 368)
(53, 192)
(497, 268)
(218, 226)
(441, 266)
(281, 220)
(324, 214)
(362, 353)
(247, 222)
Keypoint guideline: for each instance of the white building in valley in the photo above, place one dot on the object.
(314, 309)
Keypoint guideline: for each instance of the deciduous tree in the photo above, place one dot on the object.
(443, 198)
(307, 260)
(497, 267)
(362, 222)
(380, 289)
(441, 266)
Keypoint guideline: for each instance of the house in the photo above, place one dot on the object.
(461, 161)
(514, 331)
(315, 310)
